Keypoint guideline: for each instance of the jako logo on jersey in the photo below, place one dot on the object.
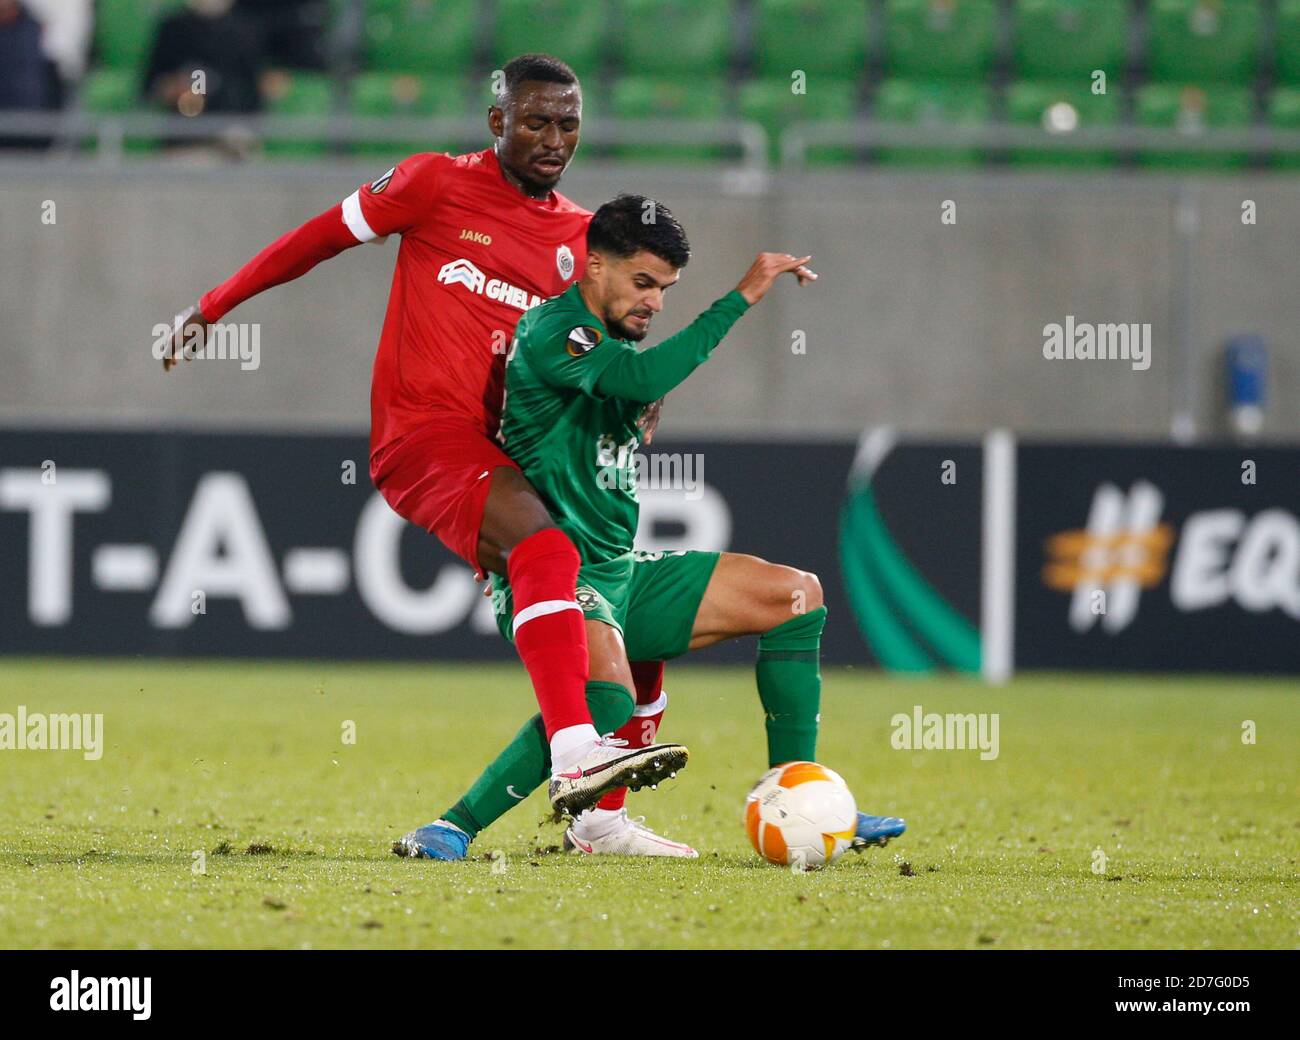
(377, 186)
(465, 273)
(564, 262)
(582, 339)
(476, 236)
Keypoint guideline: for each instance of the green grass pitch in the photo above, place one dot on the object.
(1201, 832)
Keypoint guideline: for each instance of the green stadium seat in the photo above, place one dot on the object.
(774, 105)
(381, 94)
(643, 97)
(572, 30)
(109, 92)
(936, 104)
(124, 30)
(422, 36)
(106, 91)
(1287, 41)
(1061, 108)
(1055, 39)
(940, 39)
(299, 94)
(1284, 114)
(1193, 109)
(828, 36)
(1203, 40)
(699, 32)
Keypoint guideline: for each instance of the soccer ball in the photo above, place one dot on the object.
(801, 814)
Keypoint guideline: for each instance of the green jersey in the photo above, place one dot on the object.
(573, 395)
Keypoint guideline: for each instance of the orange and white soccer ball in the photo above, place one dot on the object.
(801, 813)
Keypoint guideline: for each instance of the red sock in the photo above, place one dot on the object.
(641, 728)
(550, 633)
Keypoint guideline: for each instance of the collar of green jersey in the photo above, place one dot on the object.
(577, 301)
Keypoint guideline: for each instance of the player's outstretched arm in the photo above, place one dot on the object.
(288, 257)
(647, 375)
(393, 204)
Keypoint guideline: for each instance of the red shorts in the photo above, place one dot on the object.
(438, 477)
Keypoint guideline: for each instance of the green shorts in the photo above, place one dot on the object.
(650, 597)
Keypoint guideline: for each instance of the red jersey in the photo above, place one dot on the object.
(475, 254)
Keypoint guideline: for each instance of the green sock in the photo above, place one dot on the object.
(525, 763)
(790, 686)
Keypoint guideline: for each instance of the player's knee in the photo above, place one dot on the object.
(807, 592)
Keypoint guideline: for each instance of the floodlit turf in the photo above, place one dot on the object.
(1201, 832)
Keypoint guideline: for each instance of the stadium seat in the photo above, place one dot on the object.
(1059, 38)
(422, 36)
(573, 30)
(1060, 108)
(700, 31)
(124, 30)
(109, 90)
(1284, 114)
(379, 94)
(643, 97)
(1287, 41)
(774, 105)
(1203, 40)
(828, 36)
(1193, 109)
(299, 94)
(940, 39)
(935, 104)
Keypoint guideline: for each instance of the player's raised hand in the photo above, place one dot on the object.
(189, 329)
(649, 420)
(767, 269)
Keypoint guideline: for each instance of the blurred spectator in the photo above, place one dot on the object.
(68, 26)
(293, 31)
(208, 37)
(26, 80)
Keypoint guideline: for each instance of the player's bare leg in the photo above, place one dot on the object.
(784, 607)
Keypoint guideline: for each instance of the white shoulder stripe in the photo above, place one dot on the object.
(353, 218)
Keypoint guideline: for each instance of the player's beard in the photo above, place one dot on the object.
(628, 335)
(622, 332)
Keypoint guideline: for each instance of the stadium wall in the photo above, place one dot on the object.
(923, 325)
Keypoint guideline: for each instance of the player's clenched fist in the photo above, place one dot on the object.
(767, 268)
(189, 332)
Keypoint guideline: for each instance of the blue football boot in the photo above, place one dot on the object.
(876, 831)
(437, 840)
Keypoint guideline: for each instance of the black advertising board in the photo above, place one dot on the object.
(106, 537)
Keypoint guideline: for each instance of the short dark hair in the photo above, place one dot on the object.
(630, 223)
(536, 68)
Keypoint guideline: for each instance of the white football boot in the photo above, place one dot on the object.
(620, 835)
(610, 763)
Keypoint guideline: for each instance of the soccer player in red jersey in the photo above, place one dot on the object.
(485, 236)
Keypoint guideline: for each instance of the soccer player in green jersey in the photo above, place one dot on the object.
(576, 387)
